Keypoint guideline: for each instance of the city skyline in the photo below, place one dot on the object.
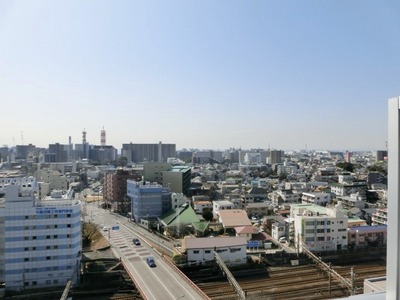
(205, 75)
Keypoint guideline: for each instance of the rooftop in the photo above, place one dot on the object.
(206, 243)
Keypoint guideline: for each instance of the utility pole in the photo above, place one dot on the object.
(329, 274)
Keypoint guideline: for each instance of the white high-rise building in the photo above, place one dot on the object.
(40, 239)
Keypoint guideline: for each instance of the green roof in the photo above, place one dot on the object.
(182, 215)
(201, 226)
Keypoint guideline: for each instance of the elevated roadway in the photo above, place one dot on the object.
(164, 281)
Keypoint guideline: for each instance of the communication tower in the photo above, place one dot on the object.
(103, 137)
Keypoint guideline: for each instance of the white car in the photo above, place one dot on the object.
(282, 240)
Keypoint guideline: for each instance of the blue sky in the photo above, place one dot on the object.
(200, 74)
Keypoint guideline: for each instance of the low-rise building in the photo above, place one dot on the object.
(316, 198)
(221, 205)
(199, 251)
(200, 205)
(380, 216)
(233, 218)
(364, 236)
(258, 208)
(346, 189)
(354, 200)
(319, 228)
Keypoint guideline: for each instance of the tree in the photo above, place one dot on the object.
(89, 232)
(207, 215)
(122, 161)
(347, 166)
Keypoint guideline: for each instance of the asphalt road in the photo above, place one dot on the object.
(160, 282)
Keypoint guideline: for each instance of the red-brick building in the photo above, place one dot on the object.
(114, 189)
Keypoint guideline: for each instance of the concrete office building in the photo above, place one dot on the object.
(319, 228)
(153, 171)
(40, 240)
(178, 179)
(148, 200)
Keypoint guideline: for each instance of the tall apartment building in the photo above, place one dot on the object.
(138, 153)
(57, 153)
(381, 155)
(207, 156)
(319, 228)
(347, 156)
(275, 157)
(115, 188)
(103, 154)
(148, 200)
(40, 239)
(24, 151)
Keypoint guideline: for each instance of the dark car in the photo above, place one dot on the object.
(150, 261)
(136, 242)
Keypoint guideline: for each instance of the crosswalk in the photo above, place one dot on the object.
(122, 239)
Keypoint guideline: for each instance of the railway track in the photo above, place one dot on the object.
(284, 283)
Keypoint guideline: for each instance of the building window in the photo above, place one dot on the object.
(34, 237)
(48, 257)
(26, 259)
(55, 236)
(33, 248)
(56, 226)
(47, 247)
(68, 235)
(26, 249)
(68, 225)
(55, 216)
(68, 215)
(196, 251)
(207, 251)
(47, 237)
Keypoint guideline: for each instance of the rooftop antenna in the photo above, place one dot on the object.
(22, 137)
